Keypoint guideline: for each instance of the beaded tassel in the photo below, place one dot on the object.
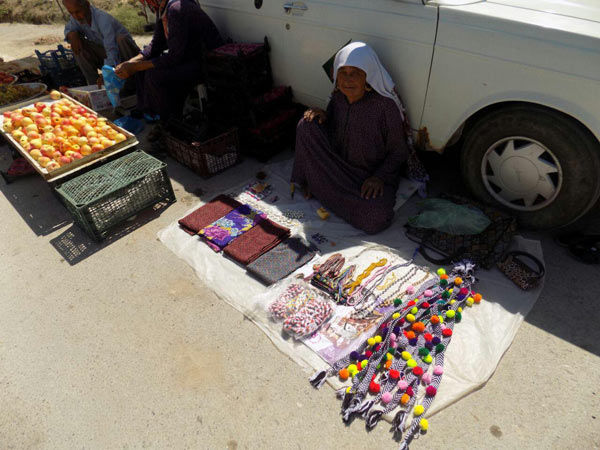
(404, 355)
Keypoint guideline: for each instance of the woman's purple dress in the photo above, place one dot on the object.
(356, 141)
(162, 90)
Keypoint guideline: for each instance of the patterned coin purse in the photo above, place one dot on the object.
(521, 273)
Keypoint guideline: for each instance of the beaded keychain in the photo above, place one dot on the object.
(406, 351)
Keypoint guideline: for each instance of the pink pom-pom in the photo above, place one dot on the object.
(464, 291)
(431, 391)
(386, 397)
(426, 378)
(410, 290)
(393, 337)
(402, 385)
(438, 370)
(428, 293)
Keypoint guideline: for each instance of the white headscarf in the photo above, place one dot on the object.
(359, 54)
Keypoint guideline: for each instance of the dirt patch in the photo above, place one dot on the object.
(48, 39)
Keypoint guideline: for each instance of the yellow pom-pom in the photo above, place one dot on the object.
(428, 359)
(411, 363)
(348, 389)
(395, 316)
(364, 363)
(406, 356)
(424, 424)
(389, 356)
(418, 410)
(410, 318)
(450, 314)
(414, 310)
(458, 281)
(470, 301)
(371, 341)
(450, 290)
(460, 309)
(441, 272)
(378, 339)
(441, 319)
(352, 368)
(452, 302)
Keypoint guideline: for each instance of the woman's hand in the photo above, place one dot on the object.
(126, 69)
(372, 188)
(315, 113)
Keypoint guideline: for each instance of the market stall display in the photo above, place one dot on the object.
(58, 135)
(7, 78)
(20, 92)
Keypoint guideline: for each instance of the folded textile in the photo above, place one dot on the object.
(256, 242)
(247, 247)
(284, 259)
(235, 223)
(207, 214)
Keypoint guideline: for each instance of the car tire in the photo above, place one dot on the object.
(537, 163)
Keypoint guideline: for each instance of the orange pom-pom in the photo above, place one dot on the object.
(435, 319)
(344, 374)
(419, 327)
(458, 281)
(410, 334)
(477, 298)
(388, 364)
(405, 399)
(444, 277)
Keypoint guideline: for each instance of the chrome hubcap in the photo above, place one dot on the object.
(521, 173)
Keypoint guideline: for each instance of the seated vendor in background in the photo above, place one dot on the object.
(97, 39)
(349, 157)
(164, 79)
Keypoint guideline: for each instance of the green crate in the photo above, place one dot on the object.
(104, 197)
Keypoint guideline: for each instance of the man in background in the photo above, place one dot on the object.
(97, 39)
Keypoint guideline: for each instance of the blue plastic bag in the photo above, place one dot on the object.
(113, 84)
(131, 124)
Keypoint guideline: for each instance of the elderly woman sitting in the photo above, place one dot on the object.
(349, 157)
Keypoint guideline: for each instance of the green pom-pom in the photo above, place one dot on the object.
(440, 348)
(423, 351)
(443, 283)
(458, 317)
(446, 295)
(441, 302)
(397, 302)
(392, 350)
(378, 366)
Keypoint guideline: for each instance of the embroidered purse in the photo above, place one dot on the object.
(521, 273)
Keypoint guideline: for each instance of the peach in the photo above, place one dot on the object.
(41, 122)
(27, 147)
(27, 121)
(120, 137)
(37, 143)
(64, 160)
(56, 155)
(86, 150)
(47, 150)
(48, 138)
(55, 95)
(93, 140)
(31, 127)
(97, 148)
(82, 140)
(47, 112)
(33, 135)
(7, 125)
(55, 120)
(43, 161)
(92, 134)
(23, 141)
(76, 155)
(52, 165)
(48, 129)
(64, 121)
(17, 134)
(35, 154)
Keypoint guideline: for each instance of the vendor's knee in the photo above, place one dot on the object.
(373, 224)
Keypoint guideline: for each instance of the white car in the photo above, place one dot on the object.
(517, 80)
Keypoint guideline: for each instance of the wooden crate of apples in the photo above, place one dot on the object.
(57, 133)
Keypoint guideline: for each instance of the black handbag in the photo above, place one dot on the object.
(484, 249)
(521, 273)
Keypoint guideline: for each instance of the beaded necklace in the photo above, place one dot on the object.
(406, 351)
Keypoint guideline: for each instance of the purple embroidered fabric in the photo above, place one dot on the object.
(222, 231)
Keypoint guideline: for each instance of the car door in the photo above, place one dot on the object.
(304, 34)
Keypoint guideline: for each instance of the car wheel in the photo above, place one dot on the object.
(538, 163)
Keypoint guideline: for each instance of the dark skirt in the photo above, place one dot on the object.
(336, 183)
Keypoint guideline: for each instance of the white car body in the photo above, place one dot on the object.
(487, 52)
(452, 60)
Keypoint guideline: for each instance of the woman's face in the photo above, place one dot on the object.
(352, 81)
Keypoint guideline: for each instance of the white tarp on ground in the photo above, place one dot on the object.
(481, 339)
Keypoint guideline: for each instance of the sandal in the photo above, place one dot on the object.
(586, 250)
